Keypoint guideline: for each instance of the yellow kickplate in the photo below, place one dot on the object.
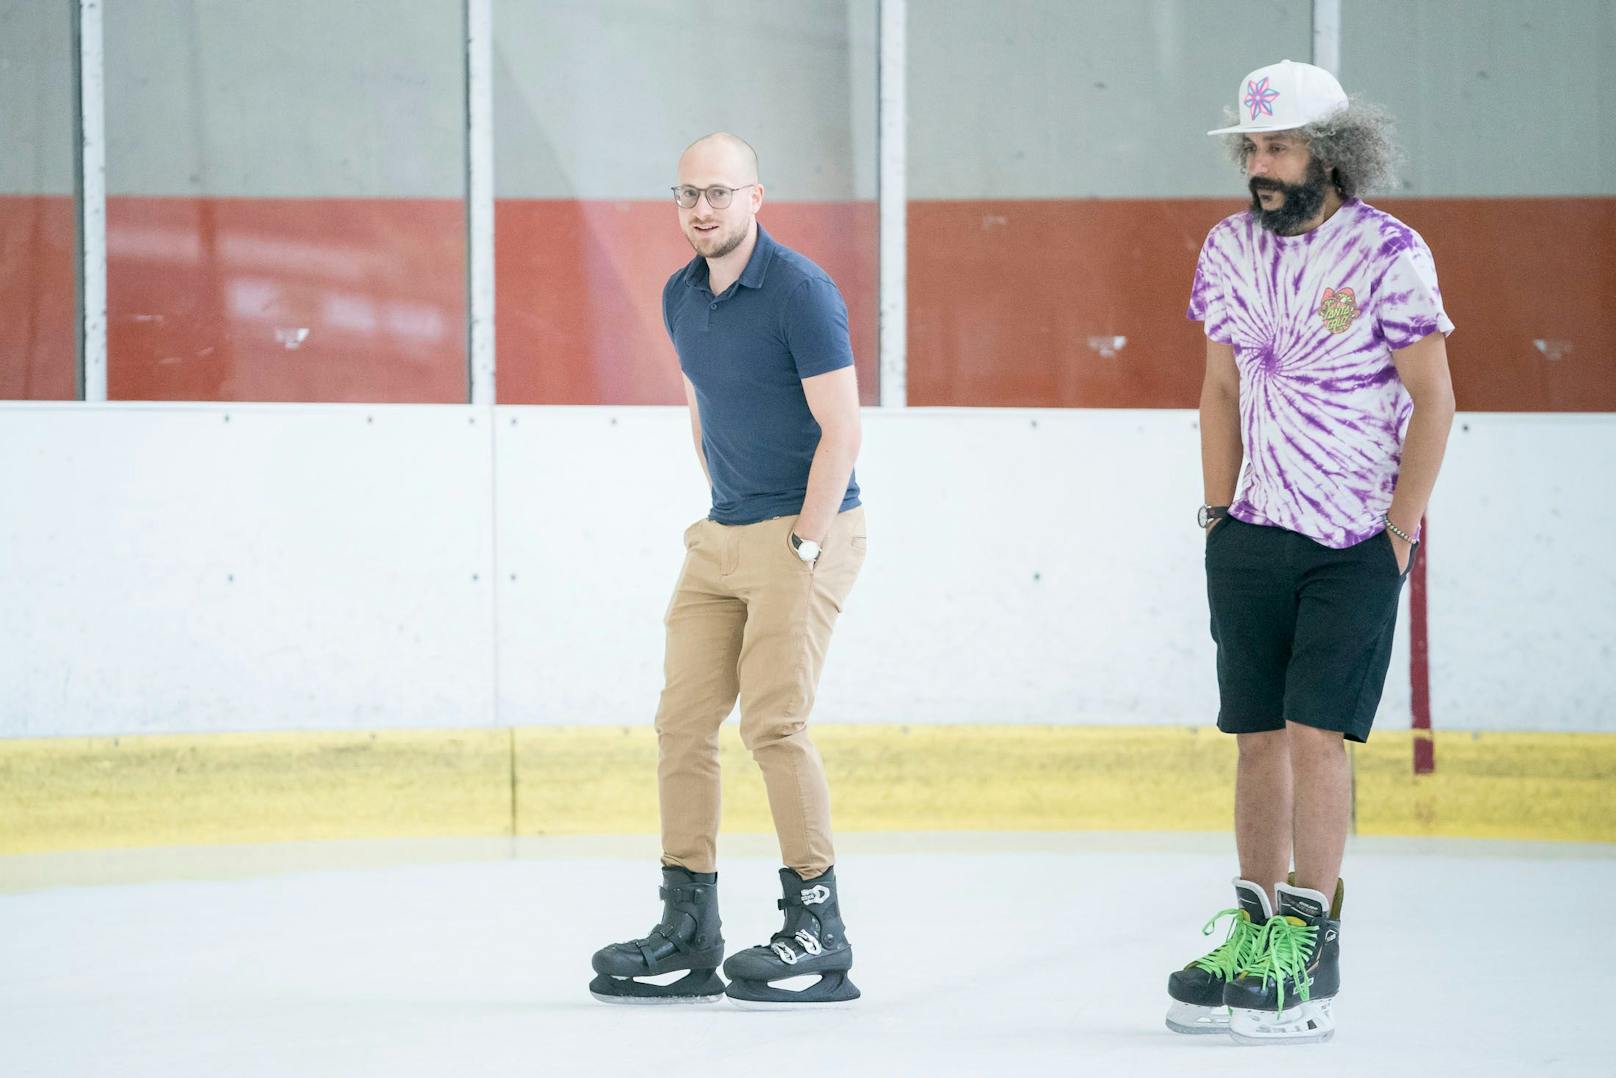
(85, 793)
(1555, 786)
(165, 790)
(580, 780)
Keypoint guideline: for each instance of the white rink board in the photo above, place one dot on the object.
(1025, 566)
(592, 504)
(245, 567)
(1523, 574)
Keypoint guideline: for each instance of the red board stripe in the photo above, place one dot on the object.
(1032, 302)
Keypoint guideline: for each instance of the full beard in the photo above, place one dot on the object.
(1301, 203)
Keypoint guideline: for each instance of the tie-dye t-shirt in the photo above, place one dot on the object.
(1313, 320)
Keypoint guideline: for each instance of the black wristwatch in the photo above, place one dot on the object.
(1208, 513)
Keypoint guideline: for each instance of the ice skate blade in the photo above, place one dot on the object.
(1305, 1023)
(830, 991)
(789, 1005)
(656, 1001)
(696, 986)
(1196, 1021)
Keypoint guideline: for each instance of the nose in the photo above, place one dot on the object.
(1256, 165)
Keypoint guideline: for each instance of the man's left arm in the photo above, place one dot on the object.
(1423, 367)
(833, 398)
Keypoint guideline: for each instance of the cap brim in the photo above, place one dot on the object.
(1241, 128)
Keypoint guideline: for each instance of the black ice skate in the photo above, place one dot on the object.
(1285, 995)
(688, 938)
(1197, 989)
(812, 942)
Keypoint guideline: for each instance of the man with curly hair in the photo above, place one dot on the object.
(1325, 411)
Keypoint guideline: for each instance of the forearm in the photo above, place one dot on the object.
(828, 475)
(1222, 450)
(1423, 449)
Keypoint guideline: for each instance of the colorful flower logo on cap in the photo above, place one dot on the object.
(1260, 98)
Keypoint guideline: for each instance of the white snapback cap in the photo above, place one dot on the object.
(1284, 96)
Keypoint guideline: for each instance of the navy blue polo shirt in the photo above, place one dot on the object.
(746, 352)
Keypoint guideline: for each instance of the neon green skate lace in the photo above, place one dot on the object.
(1283, 950)
(1238, 948)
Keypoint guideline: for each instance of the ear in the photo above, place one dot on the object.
(757, 197)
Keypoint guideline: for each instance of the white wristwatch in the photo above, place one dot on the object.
(806, 549)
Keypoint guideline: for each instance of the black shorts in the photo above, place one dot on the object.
(1304, 631)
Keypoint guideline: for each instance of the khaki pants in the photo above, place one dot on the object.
(749, 619)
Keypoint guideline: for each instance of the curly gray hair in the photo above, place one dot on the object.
(1358, 146)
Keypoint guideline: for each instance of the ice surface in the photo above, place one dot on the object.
(985, 954)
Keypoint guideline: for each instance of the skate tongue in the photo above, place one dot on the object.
(1253, 900)
(1302, 903)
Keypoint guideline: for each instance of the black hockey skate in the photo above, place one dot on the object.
(1285, 996)
(1197, 989)
(812, 942)
(687, 938)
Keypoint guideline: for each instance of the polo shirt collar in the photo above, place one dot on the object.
(758, 264)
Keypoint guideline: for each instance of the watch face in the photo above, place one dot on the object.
(1203, 517)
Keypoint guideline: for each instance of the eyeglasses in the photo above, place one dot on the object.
(718, 196)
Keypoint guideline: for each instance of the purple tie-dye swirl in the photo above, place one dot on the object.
(1313, 320)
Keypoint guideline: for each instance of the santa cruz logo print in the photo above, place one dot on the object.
(1338, 308)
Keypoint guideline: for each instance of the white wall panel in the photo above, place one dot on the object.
(209, 568)
(1523, 574)
(164, 569)
(592, 504)
(1024, 566)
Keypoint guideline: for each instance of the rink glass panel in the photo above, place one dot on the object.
(1505, 111)
(286, 201)
(593, 104)
(38, 230)
(1061, 182)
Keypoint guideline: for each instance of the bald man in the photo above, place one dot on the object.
(761, 334)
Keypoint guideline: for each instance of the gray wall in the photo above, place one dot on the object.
(36, 97)
(1084, 98)
(335, 98)
(596, 98)
(1507, 97)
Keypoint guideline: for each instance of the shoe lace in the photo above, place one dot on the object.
(1238, 947)
(1284, 950)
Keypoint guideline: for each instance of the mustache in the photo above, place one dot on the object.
(1263, 184)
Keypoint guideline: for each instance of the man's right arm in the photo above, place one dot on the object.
(695, 430)
(1221, 448)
